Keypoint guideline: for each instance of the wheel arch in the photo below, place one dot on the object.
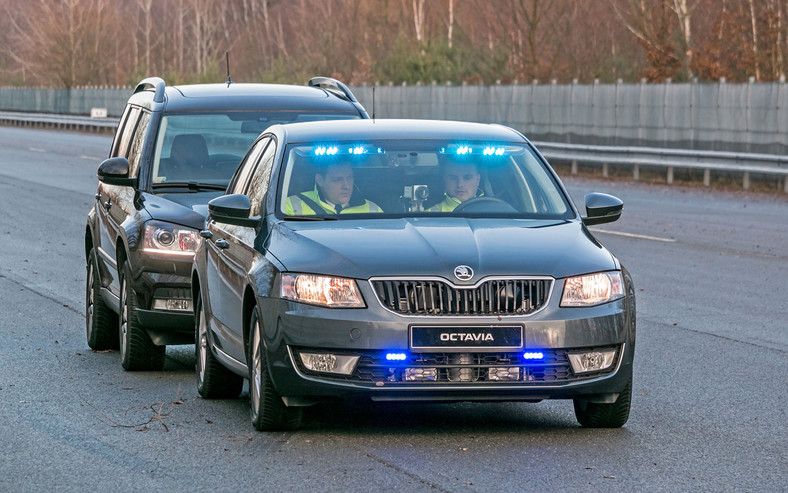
(249, 305)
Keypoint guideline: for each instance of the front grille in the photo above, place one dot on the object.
(435, 297)
(464, 369)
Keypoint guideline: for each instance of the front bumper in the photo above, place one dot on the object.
(369, 333)
(158, 278)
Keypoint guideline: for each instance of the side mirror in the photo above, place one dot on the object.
(233, 209)
(115, 171)
(602, 208)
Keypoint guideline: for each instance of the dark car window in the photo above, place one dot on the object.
(250, 163)
(122, 149)
(258, 184)
(135, 152)
(119, 131)
(420, 177)
(207, 147)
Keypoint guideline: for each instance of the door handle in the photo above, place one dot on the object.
(222, 244)
(108, 204)
(97, 196)
(206, 234)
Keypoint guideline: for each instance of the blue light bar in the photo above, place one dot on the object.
(396, 356)
(326, 151)
(356, 150)
(463, 150)
(533, 355)
(493, 151)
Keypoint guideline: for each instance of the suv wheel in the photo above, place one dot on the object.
(592, 415)
(268, 412)
(137, 351)
(100, 320)
(214, 381)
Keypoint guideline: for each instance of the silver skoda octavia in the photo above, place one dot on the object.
(408, 260)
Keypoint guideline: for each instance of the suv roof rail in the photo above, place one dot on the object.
(334, 86)
(158, 86)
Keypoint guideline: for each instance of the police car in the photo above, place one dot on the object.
(408, 260)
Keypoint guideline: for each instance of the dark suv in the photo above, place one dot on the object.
(175, 149)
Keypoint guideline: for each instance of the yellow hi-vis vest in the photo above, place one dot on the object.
(297, 207)
(449, 203)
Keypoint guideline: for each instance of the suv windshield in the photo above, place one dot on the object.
(404, 178)
(206, 147)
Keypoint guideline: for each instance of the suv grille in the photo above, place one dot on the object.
(433, 297)
(465, 368)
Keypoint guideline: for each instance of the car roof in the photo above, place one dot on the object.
(384, 129)
(249, 96)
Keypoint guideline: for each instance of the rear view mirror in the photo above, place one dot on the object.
(233, 209)
(602, 208)
(254, 127)
(115, 171)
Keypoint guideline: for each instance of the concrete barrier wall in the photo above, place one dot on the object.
(728, 117)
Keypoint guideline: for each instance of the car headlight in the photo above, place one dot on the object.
(161, 237)
(592, 289)
(332, 292)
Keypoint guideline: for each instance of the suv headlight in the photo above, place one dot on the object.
(161, 237)
(332, 292)
(592, 289)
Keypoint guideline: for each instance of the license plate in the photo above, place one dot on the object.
(489, 337)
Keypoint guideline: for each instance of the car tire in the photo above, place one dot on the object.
(137, 351)
(593, 415)
(268, 411)
(100, 320)
(214, 381)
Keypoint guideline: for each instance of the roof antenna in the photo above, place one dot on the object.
(227, 59)
(373, 104)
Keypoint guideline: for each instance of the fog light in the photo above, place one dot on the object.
(421, 374)
(173, 304)
(504, 373)
(591, 361)
(329, 363)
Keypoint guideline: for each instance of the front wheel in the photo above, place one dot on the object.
(593, 415)
(137, 351)
(100, 320)
(214, 381)
(267, 410)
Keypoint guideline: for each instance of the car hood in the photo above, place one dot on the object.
(184, 208)
(436, 246)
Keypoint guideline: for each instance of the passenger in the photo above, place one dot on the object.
(461, 183)
(333, 194)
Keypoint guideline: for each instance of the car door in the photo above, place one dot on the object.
(109, 198)
(228, 259)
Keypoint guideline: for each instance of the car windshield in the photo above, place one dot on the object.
(206, 148)
(404, 178)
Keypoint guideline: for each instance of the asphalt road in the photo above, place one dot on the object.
(708, 410)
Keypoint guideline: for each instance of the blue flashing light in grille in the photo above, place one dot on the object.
(396, 356)
(532, 355)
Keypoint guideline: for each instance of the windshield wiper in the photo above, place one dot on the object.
(191, 186)
(311, 218)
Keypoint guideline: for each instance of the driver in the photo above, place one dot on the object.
(460, 183)
(333, 194)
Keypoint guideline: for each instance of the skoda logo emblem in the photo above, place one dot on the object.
(463, 273)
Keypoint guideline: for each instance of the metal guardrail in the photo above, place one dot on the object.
(669, 159)
(63, 122)
(636, 157)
